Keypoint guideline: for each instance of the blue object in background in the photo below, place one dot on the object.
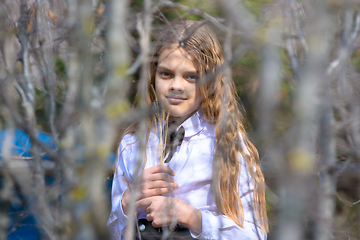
(21, 144)
(22, 223)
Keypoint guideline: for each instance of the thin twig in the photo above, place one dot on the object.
(343, 168)
(99, 29)
(218, 22)
(293, 17)
(346, 201)
(347, 48)
(292, 55)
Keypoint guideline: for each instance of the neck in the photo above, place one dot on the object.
(176, 121)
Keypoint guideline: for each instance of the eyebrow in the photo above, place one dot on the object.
(163, 68)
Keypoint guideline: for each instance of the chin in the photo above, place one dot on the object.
(177, 114)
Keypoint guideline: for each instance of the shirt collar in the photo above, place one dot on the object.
(194, 124)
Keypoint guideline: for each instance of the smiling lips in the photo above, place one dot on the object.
(175, 100)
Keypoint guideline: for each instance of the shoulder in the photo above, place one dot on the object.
(129, 138)
(244, 148)
(128, 143)
(127, 152)
(208, 128)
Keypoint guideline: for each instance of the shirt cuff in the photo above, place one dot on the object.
(117, 220)
(212, 225)
(220, 227)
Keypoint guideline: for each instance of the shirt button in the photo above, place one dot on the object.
(142, 227)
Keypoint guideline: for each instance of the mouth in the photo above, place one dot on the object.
(173, 100)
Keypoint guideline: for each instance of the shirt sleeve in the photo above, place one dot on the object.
(121, 181)
(217, 226)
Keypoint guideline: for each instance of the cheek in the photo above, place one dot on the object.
(198, 97)
(198, 93)
(159, 88)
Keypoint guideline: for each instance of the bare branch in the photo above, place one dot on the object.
(346, 201)
(218, 22)
(346, 46)
(343, 168)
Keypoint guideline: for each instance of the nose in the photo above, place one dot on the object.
(177, 84)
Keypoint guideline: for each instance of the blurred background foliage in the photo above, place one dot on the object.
(247, 74)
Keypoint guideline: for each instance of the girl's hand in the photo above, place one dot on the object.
(168, 211)
(155, 181)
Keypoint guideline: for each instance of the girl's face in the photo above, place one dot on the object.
(175, 83)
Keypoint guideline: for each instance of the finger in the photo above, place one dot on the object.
(148, 210)
(151, 191)
(155, 192)
(160, 169)
(156, 223)
(145, 202)
(149, 218)
(158, 176)
(160, 184)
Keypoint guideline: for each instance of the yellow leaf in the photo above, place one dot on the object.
(120, 70)
(78, 194)
(103, 150)
(301, 161)
(88, 25)
(116, 109)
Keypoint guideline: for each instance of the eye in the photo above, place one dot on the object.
(165, 75)
(192, 78)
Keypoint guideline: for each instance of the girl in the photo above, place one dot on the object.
(201, 175)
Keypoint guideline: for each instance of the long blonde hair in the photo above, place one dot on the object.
(219, 107)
